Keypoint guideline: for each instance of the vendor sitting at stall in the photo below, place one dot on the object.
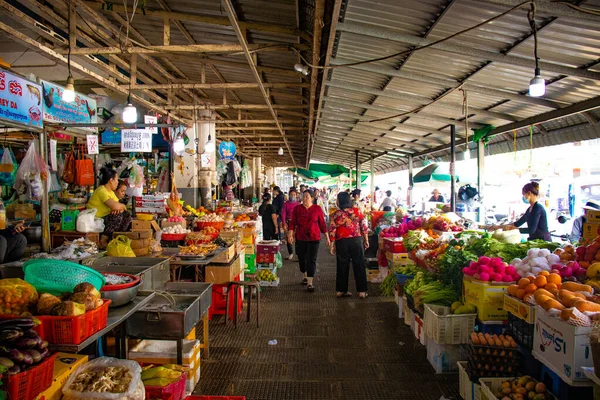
(105, 201)
(120, 192)
(12, 243)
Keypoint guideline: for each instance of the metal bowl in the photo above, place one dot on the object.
(72, 200)
(121, 297)
(33, 234)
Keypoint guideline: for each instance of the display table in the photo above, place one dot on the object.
(177, 264)
(58, 238)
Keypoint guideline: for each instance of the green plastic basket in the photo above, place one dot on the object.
(57, 277)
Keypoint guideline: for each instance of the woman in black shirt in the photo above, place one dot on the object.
(268, 214)
(535, 216)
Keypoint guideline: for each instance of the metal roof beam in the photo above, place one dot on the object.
(365, 129)
(251, 61)
(238, 107)
(230, 85)
(392, 35)
(187, 48)
(551, 7)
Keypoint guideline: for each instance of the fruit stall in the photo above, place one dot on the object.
(515, 319)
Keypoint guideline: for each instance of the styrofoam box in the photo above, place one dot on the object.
(164, 351)
(400, 302)
(444, 357)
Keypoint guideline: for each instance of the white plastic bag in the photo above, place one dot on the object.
(86, 222)
(136, 390)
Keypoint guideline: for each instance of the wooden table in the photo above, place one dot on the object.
(58, 238)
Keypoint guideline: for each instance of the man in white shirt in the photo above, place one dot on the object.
(387, 204)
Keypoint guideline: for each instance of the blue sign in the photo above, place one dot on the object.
(227, 151)
(80, 111)
(20, 100)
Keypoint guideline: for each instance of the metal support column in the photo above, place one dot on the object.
(481, 176)
(357, 186)
(411, 183)
(372, 180)
(452, 168)
(42, 143)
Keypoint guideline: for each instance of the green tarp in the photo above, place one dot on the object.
(433, 172)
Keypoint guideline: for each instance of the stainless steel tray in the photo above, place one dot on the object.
(152, 322)
(200, 289)
(153, 272)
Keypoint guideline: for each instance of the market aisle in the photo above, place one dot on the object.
(328, 348)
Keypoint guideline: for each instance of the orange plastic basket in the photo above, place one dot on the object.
(218, 225)
(74, 330)
(29, 384)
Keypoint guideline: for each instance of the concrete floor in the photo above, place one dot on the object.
(328, 348)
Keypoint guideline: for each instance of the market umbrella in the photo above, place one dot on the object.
(434, 173)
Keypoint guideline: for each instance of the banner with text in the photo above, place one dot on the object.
(20, 100)
(136, 140)
(81, 111)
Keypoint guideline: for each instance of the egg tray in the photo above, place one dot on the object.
(503, 353)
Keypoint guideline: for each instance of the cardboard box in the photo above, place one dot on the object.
(487, 297)
(590, 230)
(144, 251)
(592, 215)
(393, 245)
(519, 309)
(249, 248)
(139, 225)
(265, 258)
(151, 210)
(562, 347)
(221, 274)
(64, 365)
(262, 248)
(397, 257)
(226, 256)
(138, 244)
(136, 235)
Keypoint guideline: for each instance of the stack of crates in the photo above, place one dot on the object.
(268, 258)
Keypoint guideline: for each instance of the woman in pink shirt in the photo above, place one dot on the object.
(286, 217)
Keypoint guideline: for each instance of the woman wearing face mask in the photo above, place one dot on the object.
(286, 216)
(535, 216)
(306, 226)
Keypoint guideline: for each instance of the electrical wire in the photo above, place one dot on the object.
(578, 8)
(532, 24)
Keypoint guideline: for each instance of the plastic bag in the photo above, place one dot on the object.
(7, 163)
(120, 247)
(31, 173)
(135, 391)
(68, 175)
(17, 289)
(8, 178)
(86, 222)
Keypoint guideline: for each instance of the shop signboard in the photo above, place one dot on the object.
(80, 111)
(227, 151)
(20, 100)
(136, 140)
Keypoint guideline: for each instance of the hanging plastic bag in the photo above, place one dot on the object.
(101, 368)
(31, 174)
(120, 247)
(7, 164)
(87, 222)
(8, 178)
(136, 177)
(84, 175)
(68, 175)
(53, 183)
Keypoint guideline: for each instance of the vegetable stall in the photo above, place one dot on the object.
(486, 304)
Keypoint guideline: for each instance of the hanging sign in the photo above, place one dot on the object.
(80, 111)
(136, 140)
(205, 160)
(92, 144)
(20, 100)
(151, 119)
(227, 151)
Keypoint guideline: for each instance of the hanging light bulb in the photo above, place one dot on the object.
(280, 152)
(537, 86)
(130, 115)
(210, 144)
(68, 95)
(303, 69)
(467, 154)
(179, 145)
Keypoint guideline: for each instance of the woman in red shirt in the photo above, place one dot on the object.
(348, 237)
(306, 226)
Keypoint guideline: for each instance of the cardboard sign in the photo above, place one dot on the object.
(205, 160)
(136, 140)
(92, 144)
(150, 119)
(20, 100)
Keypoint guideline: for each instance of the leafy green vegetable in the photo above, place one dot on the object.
(450, 266)
(434, 293)
(388, 285)
(488, 246)
(421, 278)
(413, 239)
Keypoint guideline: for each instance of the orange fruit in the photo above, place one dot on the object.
(554, 278)
(523, 282)
(551, 286)
(512, 290)
(520, 293)
(528, 297)
(531, 288)
(540, 281)
(544, 273)
(531, 279)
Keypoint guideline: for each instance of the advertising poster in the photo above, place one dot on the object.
(20, 100)
(80, 111)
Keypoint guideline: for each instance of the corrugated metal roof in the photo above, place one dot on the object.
(497, 86)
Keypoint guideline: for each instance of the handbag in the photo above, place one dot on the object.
(68, 175)
(85, 171)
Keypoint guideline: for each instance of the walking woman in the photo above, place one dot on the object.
(348, 241)
(306, 226)
(105, 201)
(286, 216)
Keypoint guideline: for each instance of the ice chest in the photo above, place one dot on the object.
(487, 297)
(519, 309)
(393, 245)
(562, 347)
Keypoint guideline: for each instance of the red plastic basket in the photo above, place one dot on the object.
(74, 330)
(110, 288)
(174, 391)
(215, 398)
(29, 384)
(173, 237)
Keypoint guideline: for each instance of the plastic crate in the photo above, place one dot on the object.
(468, 390)
(74, 330)
(174, 391)
(446, 328)
(492, 328)
(29, 384)
(402, 278)
(489, 386)
(500, 361)
(69, 220)
(521, 331)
